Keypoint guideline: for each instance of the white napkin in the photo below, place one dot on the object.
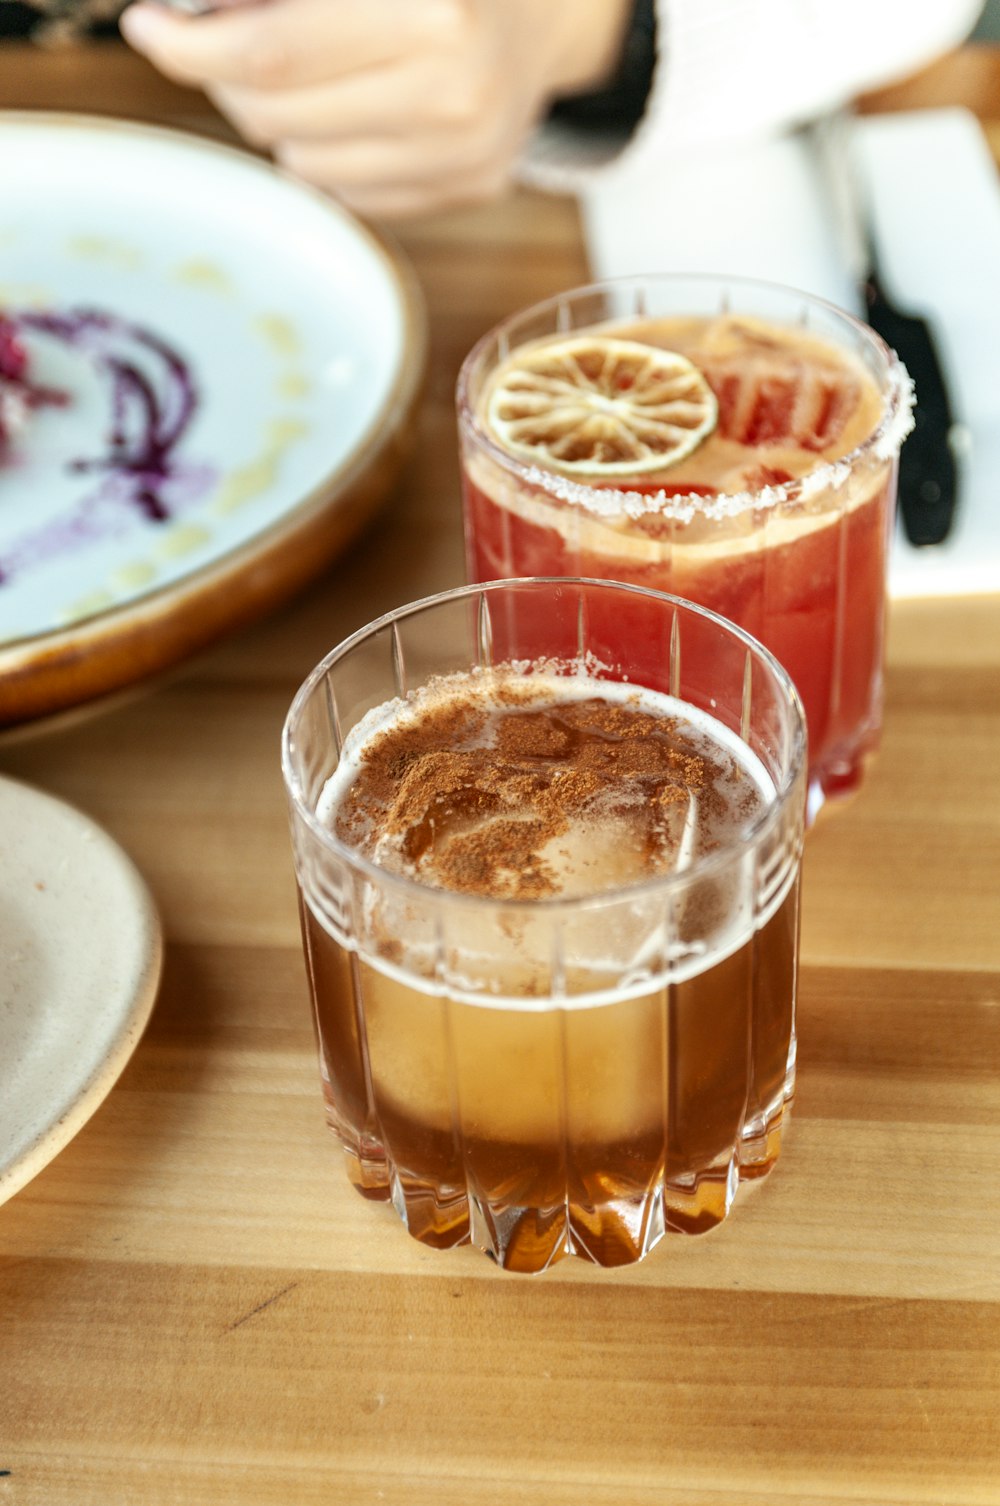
(761, 210)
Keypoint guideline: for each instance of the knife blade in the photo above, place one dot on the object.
(928, 466)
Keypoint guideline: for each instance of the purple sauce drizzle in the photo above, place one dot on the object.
(147, 422)
(153, 398)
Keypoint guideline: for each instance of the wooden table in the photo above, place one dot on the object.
(196, 1308)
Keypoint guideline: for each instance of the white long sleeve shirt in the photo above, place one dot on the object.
(732, 69)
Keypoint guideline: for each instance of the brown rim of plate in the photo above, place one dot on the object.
(46, 673)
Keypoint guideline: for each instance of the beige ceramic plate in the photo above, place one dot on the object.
(80, 958)
(240, 359)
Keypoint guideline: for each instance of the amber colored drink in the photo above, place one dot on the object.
(553, 1016)
(780, 520)
(588, 1132)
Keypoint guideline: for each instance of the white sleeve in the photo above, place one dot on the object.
(737, 68)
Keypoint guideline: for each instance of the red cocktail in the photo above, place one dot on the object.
(729, 442)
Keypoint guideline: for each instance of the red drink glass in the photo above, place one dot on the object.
(780, 519)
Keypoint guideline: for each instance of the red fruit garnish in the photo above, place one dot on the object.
(756, 476)
(769, 402)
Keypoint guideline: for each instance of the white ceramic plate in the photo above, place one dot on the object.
(80, 958)
(295, 331)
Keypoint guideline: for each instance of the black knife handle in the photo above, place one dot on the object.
(928, 474)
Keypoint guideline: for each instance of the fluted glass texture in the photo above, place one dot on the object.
(565, 1075)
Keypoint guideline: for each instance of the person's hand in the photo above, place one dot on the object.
(397, 106)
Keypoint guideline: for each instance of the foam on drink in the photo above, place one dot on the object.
(526, 787)
(550, 786)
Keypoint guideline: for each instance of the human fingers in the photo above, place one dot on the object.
(416, 95)
(383, 161)
(380, 101)
(281, 44)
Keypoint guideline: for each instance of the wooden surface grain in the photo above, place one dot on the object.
(195, 1307)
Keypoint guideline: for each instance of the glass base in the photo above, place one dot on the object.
(620, 1230)
(836, 783)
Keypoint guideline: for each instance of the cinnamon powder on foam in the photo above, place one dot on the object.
(470, 792)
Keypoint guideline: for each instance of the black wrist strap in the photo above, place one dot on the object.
(622, 100)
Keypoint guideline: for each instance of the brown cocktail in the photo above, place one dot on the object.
(550, 906)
